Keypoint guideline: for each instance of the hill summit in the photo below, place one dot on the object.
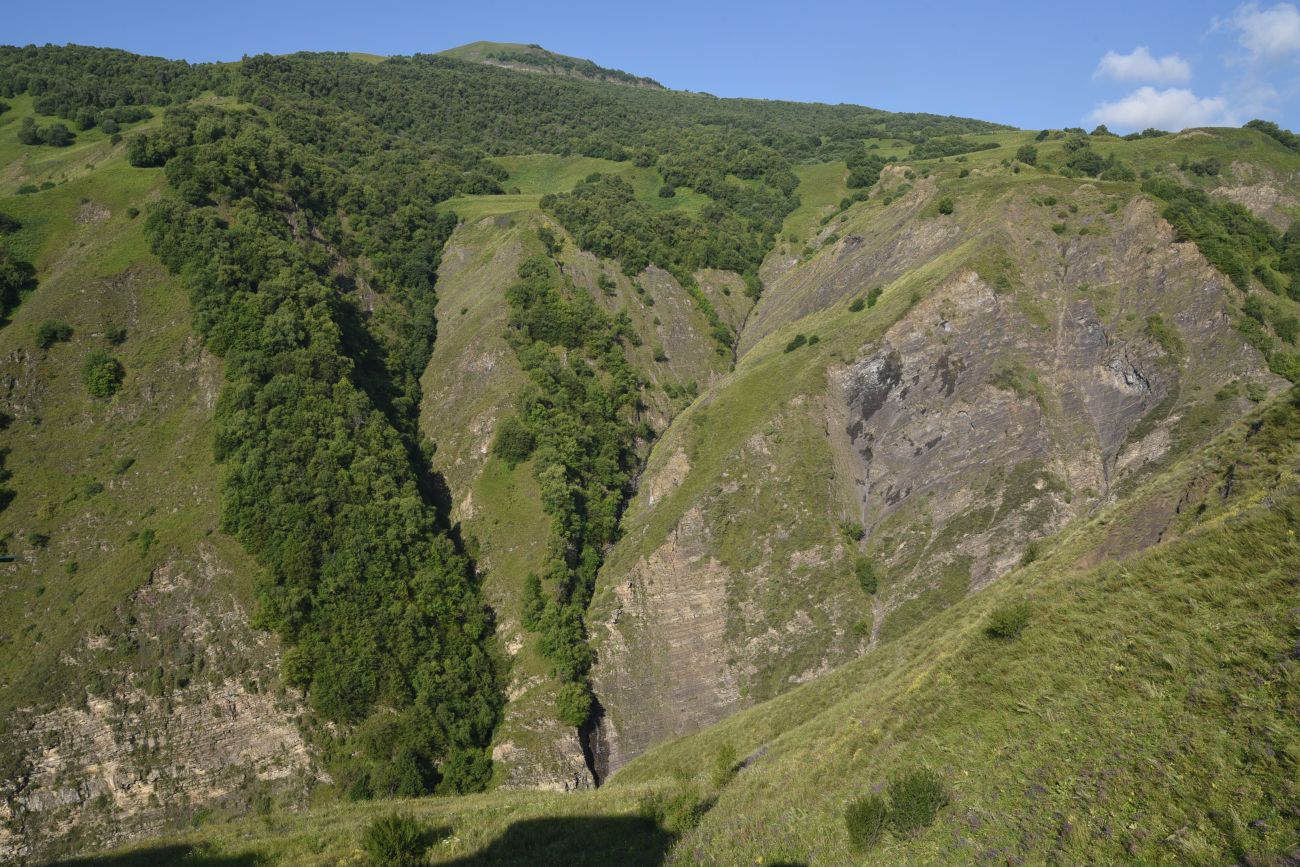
(535, 58)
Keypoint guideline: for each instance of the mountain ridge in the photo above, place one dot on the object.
(535, 58)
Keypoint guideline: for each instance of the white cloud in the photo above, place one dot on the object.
(1141, 66)
(1174, 108)
(1268, 34)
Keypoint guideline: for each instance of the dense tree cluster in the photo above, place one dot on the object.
(577, 421)
(439, 99)
(864, 168)
(65, 81)
(607, 219)
(56, 134)
(949, 146)
(1081, 159)
(16, 275)
(1283, 136)
(324, 480)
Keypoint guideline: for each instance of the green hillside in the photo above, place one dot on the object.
(606, 474)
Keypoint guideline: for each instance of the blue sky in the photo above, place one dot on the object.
(1032, 64)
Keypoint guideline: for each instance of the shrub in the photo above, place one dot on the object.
(465, 771)
(115, 334)
(514, 443)
(852, 532)
(102, 374)
(866, 818)
(1027, 154)
(533, 603)
(1165, 334)
(676, 813)
(945, 205)
(914, 800)
(795, 342)
(396, 840)
(1007, 621)
(1084, 159)
(865, 574)
(1031, 553)
(132, 213)
(724, 765)
(573, 704)
(1118, 172)
(550, 240)
(52, 331)
(1287, 328)
(857, 305)
(874, 295)
(59, 135)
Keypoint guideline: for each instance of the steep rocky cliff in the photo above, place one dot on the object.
(1012, 379)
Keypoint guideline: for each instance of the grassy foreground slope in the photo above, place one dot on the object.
(1147, 713)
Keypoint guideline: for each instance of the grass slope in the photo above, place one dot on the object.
(94, 270)
(534, 175)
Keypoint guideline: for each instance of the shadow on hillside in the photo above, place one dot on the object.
(161, 856)
(630, 841)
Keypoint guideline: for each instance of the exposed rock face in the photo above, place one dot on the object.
(668, 671)
(1263, 193)
(994, 411)
(209, 729)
